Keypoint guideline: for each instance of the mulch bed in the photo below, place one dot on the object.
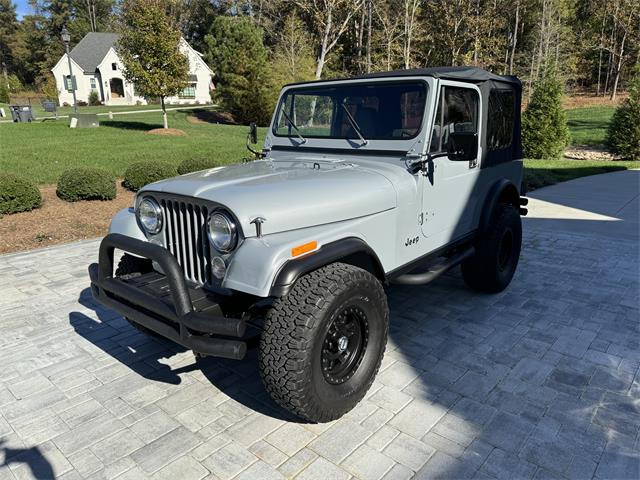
(168, 132)
(57, 221)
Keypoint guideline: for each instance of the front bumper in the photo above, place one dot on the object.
(165, 303)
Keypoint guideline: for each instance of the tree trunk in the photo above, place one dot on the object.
(604, 18)
(618, 67)
(322, 57)
(515, 38)
(369, 26)
(165, 121)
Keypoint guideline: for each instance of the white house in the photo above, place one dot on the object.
(97, 67)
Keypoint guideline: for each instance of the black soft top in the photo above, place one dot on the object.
(463, 74)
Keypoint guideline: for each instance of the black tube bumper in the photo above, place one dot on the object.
(164, 303)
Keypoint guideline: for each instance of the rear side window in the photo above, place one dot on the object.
(500, 119)
(457, 112)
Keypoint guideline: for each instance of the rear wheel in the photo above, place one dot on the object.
(497, 252)
(323, 343)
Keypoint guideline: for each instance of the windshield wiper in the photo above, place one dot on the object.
(290, 122)
(355, 125)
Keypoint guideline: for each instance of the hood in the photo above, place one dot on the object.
(289, 195)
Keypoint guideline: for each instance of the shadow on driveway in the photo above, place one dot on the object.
(33, 458)
(535, 381)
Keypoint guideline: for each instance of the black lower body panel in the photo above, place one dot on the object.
(165, 303)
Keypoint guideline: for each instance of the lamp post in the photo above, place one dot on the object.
(66, 38)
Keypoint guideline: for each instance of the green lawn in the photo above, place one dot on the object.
(540, 173)
(588, 125)
(40, 113)
(42, 150)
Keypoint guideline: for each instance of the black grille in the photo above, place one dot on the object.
(185, 236)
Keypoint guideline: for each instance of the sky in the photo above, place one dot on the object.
(22, 7)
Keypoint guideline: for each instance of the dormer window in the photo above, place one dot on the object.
(114, 66)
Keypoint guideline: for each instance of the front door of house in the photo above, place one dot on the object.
(116, 86)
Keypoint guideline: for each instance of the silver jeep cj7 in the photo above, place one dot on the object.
(391, 177)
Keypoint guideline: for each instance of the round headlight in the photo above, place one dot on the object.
(150, 215)
(222, 232)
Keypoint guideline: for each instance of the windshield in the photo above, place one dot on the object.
(380, 111)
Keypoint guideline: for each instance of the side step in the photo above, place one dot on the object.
(434, 271)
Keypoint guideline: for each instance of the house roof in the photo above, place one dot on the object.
(90, 51)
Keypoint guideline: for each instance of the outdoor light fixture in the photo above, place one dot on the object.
(66, 38)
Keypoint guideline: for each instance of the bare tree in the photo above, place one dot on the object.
(410, 25)
(389, 29)
(330, 19)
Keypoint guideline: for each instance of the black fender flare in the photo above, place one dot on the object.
(351, 250)
(502, 191)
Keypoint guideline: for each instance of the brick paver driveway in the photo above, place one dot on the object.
(540, 381)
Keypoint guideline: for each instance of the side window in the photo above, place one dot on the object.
(457, 111)
(500, 121)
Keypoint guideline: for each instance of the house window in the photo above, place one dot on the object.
(94, 85)
(188, 92)
(69, 83)
(114, 66)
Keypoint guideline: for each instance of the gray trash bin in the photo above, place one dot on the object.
(22, 113)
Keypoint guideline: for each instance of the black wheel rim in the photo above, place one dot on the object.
(344, 345)
(505, 249)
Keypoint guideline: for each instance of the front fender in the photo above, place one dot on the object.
(259, 260)
(125, 223)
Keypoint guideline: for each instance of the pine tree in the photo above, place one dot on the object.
(237, 55)
(544, 124)
(623, 136)
(149, 50)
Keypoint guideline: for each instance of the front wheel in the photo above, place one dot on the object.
(497, 252)
(323, 342)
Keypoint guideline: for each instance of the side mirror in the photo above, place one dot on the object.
(253, 133)
(463, 146)
(252, 138)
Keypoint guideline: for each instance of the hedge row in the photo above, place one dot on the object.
(86, 183)
(89, 183)
(140, 174)
(18, 194)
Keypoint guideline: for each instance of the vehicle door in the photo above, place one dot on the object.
(449, 193)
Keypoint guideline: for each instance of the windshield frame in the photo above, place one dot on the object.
(319, 85)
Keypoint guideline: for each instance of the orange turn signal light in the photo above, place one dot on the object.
(305, 248)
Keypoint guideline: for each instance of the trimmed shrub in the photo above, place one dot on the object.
(4, 92)
(623, 135)
(140, 174)
(17, 194)
(86, 183)
(544, 123)
(196, 164)
(94, 99)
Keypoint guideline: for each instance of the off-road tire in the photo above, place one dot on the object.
(130, 265)
(292, 344)
(491, 268)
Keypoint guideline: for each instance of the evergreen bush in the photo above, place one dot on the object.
(142, 173)
(196, 164)
(86, 183)
(94, 99)
(4, 92)
(623, 135)
(17, 194)
(237, 54)
(544, 123)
